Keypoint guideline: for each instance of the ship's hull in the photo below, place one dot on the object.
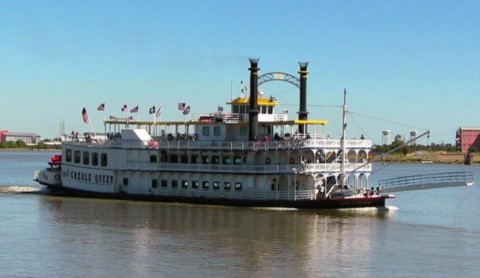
(334, 203)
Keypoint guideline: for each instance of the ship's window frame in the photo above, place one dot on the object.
(76, 156)
(95, 159)
(184, 158)
(164, 183)
(195, 184)
(125, 181)
(226, 160)
(269, 109)
(243, 109)
(154, 184)
(174, 183)
(216, 185)
(194, 159)
(103, 159)
(86, 158)
(217, 131)
(205, 184)
(184, 183)
(237, 160)
(215, 159)
(153, 158)
(206, 131)
(243, 131)
(238, 186)
(227, 186)
(68, 155)
(173, 158)
(235, 109)
(205, 159)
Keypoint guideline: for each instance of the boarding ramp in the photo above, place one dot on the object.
(426, 181)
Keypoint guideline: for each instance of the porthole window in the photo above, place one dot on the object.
(227, 185)
(205, 184)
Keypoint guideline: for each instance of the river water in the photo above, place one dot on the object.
(433, 233)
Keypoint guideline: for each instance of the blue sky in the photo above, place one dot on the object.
(407, 65)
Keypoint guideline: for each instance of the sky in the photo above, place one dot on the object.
(406, 65)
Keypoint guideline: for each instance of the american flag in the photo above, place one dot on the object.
(134, 110)
(101, 107)
(181, 106)
(85, 115)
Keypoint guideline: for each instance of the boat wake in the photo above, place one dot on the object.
(19, 189)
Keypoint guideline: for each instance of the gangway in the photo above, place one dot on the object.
(426, 181)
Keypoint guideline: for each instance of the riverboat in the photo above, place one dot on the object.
(252, 156)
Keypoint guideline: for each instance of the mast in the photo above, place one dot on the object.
(344, 134)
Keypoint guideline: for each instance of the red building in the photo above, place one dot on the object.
(466, 138)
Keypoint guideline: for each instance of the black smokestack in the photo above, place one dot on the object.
(302, 113)
(253, 112)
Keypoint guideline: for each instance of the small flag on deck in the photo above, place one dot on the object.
(101, 107)
(187, 110)
(134, 110)
(181, 106)
(151, 110)
(85, 115)
(124, 108)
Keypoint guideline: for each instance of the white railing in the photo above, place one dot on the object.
(252, 169)
(426, 181)
(236, 194)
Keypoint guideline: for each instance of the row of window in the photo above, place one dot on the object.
(86, 157)
(184, 184)
(198, 159)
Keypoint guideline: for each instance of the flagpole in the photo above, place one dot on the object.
(90, 121)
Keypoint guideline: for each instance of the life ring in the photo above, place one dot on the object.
(57, 177)
(292, 161)
(267, 160)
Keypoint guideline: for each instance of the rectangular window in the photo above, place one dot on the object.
(243, 109)
(174, 183)
(76, 156)
(173, 158)
(243, 131)
(216, 185)
(164, 183)
(235, 109)
(216, 131)
(238, 186)
(226, 160)
(237, 160)
(184, 158)
(95, 159)
(184, 184)
(227, 185)
(125, 181)
(154, 183)
(194, 184)
(205, 159)
(215, 159)
(205, 184)
(194, 158)
(206, 131)
(68, 155)
(270, 109)
(153, 158)
(86, 158)
(103, 159)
